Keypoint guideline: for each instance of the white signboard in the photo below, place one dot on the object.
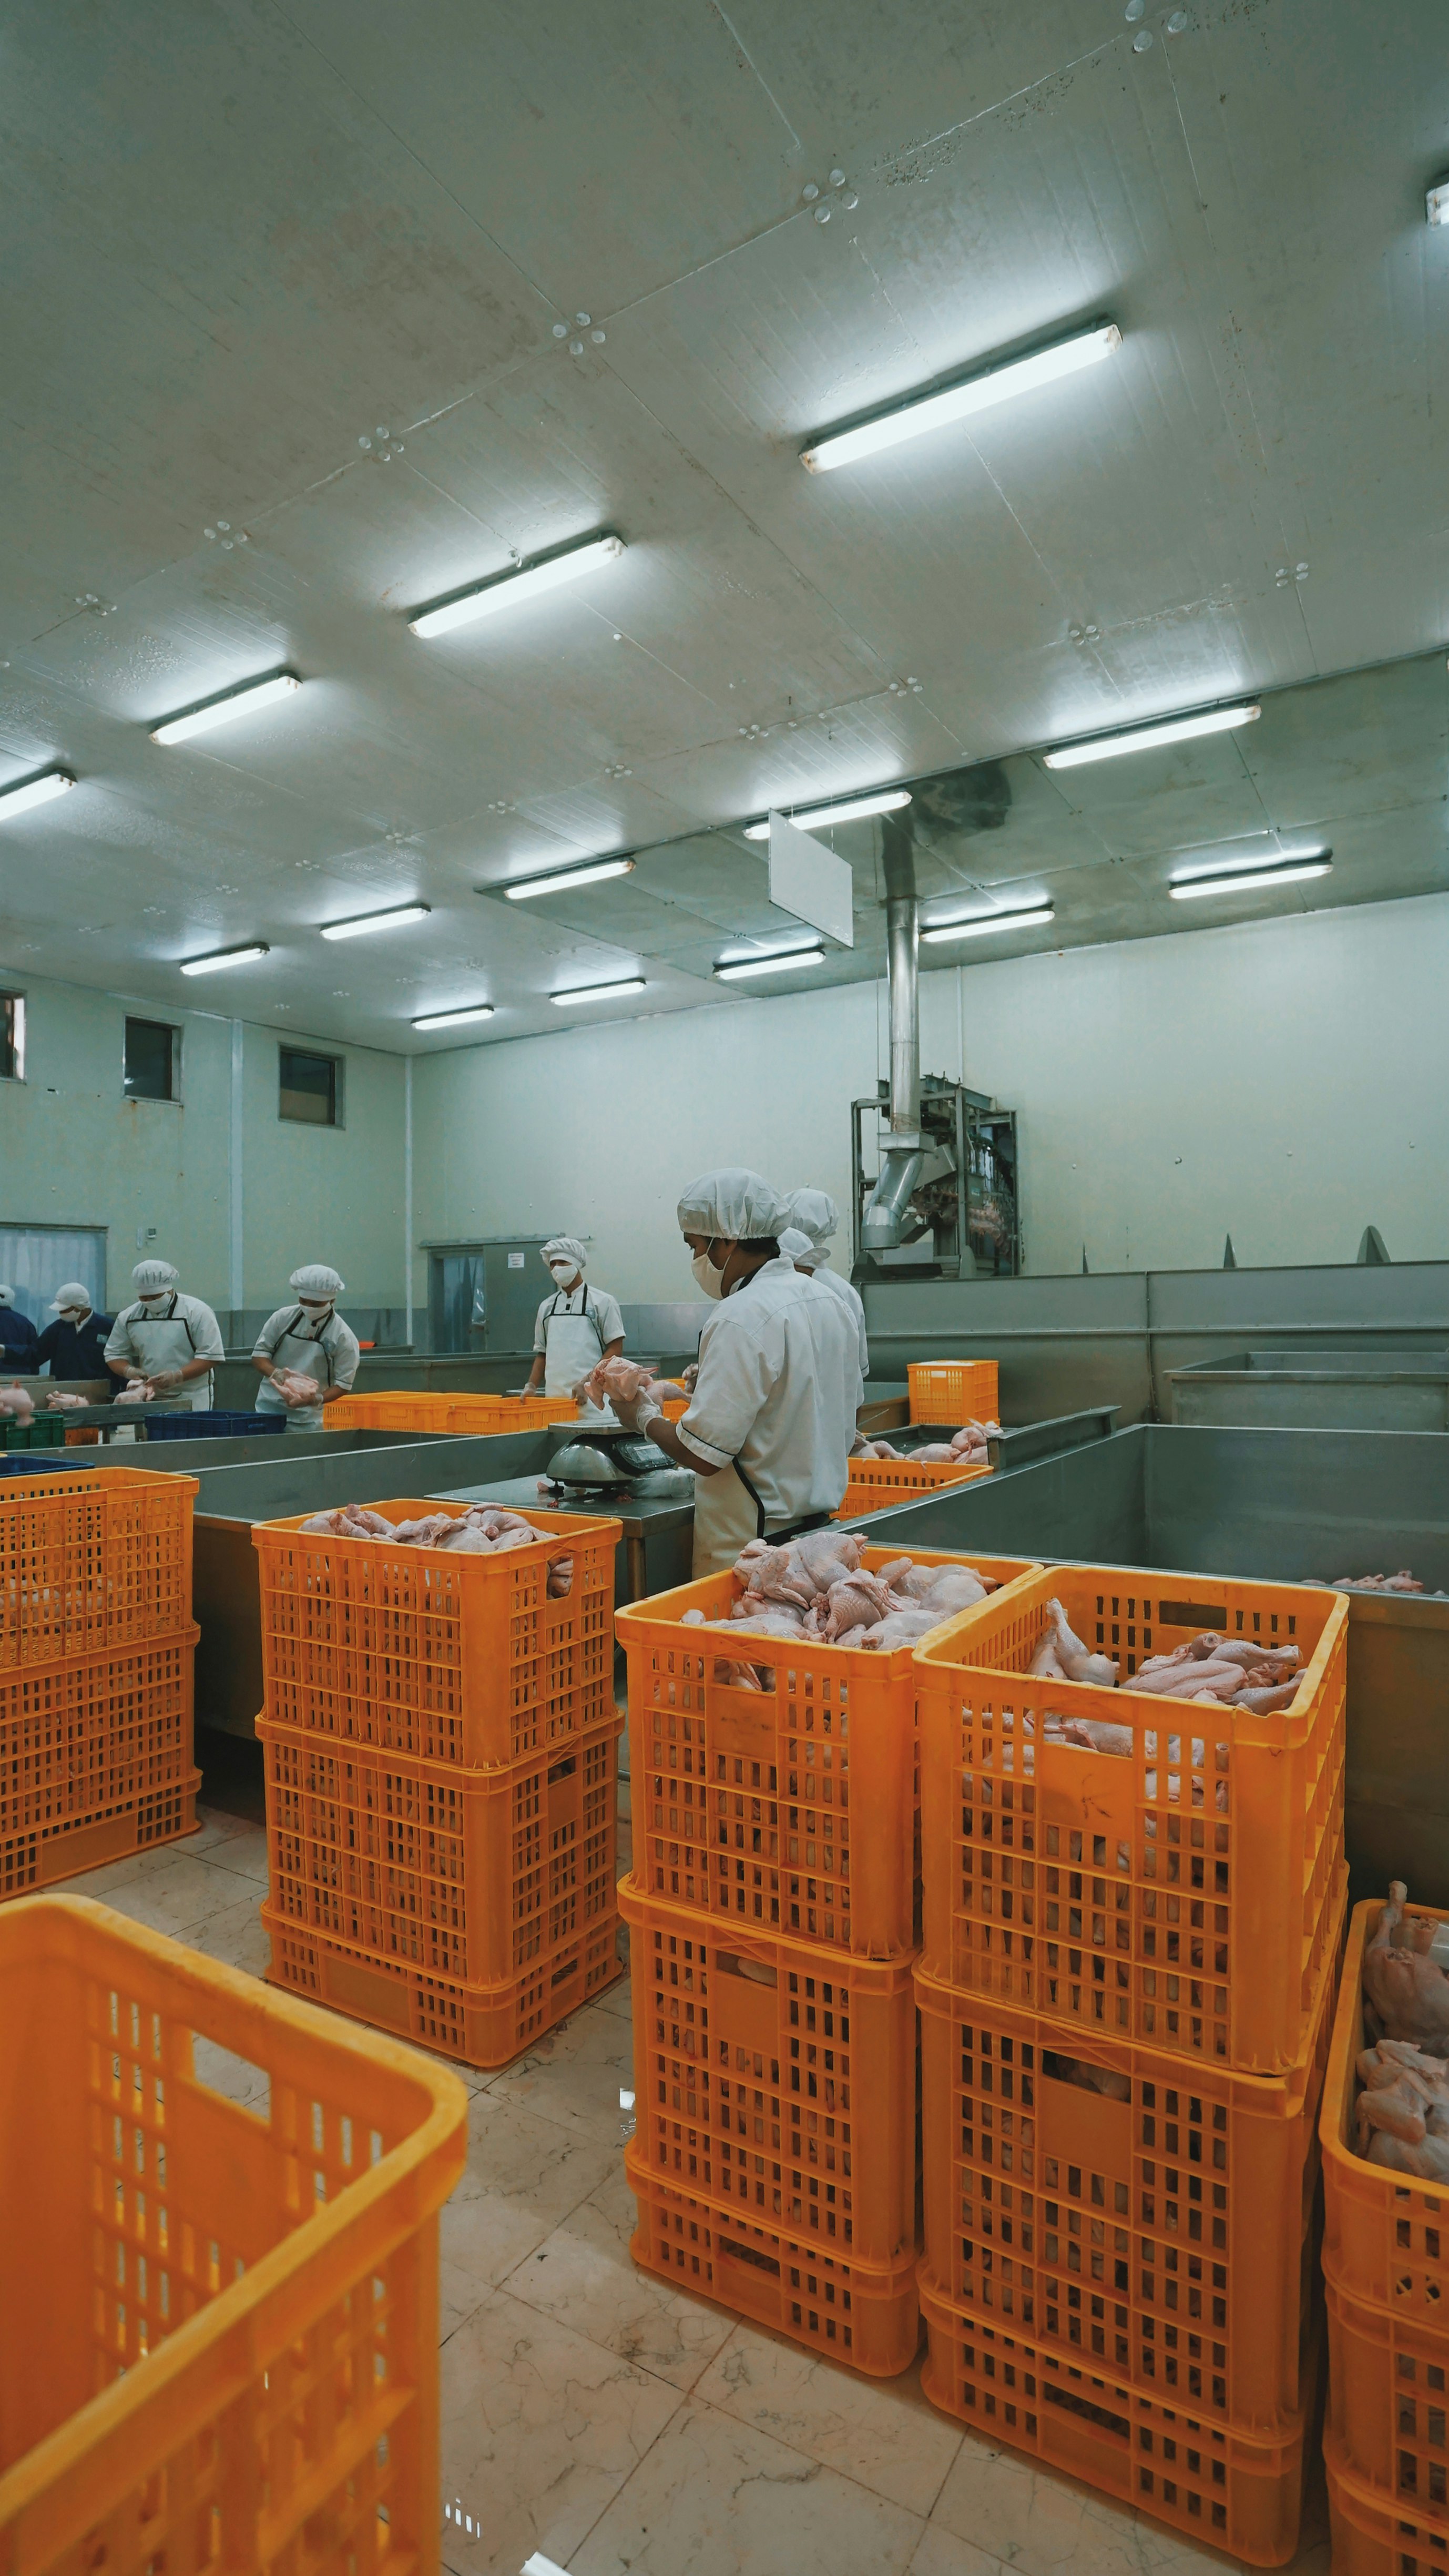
(810, 881)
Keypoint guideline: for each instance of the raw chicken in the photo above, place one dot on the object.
(136, 1391)
(1403, 1581)
(17, 1404)
(858, 1600)
(348, 1520)
(294, 1386)
(484, 1529)
(626, 1378)
(1405, 1991)
(1061, 1656)
(1402, 2114)
(875, 1449)
(1089, 1734)
(58, 1401)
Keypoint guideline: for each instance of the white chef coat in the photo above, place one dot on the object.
(851, 1301)
(574, 1329)
(171, 1336)
(320, 1346)
(773, 1408)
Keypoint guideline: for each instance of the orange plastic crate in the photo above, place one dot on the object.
(877, 1483)
(90, 1558)
(954, 1391)
(859, 2314)
(1183, 1902)
(471, 1875)
(1388, 2393)
(1211, 2481)
(421, 1409)
(42, 1855)
(776, 2079)
(1165, 2237)
(461, 1659)
(227, 2272)
(1372, 2536)
(478, 2025)
(789, 1810)
(83, 1735)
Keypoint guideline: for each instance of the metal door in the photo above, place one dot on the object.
(457, 1304)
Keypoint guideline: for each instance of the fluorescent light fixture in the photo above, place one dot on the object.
(455, 1019)
(225, 710)
(511, 589)
(395, 920)
(781, 963)
(560, 880)
(1243, 879)
(225, 957)
(600, 992)
(1436, 203)
(961, 402)
(33, 791)
(1111, 746)
(981, 925)
(851, 809)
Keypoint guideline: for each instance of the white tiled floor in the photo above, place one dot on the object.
(619, 2427)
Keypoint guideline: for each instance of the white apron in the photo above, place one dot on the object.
(727, 1515)
(572, 1345)
(166, 1342)
(298, 1351)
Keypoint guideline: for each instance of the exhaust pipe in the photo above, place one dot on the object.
(902, 1161)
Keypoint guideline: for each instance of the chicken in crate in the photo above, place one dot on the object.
(962, 1218)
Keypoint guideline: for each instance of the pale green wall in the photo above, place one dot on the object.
(74, 1152)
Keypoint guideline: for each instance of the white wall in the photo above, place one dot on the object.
(1287, 1082)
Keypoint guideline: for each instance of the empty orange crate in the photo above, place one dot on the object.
(1165, 2237)
(90, 1558)
(789, 1810)
(1212, 2481)
(1372, 2536)
(479, 2025)
(1183, 1898)
(863, 2315)
(776, 2079)
(461, 1659)
(469, 1874)
(42, 1855)
(223, 2301)
(953, 1391)
(79, 1736)
(420, 1409)
(876, 1483)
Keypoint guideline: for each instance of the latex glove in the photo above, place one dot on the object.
(633, 1411)
(160, 1379)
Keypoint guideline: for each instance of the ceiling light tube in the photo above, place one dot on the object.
(1245, 880)
(225, 710)
(982, 925)
(225, 957)
(1111, 746)
(851, 809)
(960, 402)
(511, 589)
(600, 992)
(781, 964)
(400, 915)
(559, 880)
(455, 1019)
(33, 791)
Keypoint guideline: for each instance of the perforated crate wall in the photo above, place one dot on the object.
(477, 2025)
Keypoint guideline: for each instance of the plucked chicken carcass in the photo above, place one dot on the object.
(626, 1378)
(484, 1529)
(136, 1390)
(965, 1448)
(815, 1588)
(294, 1386)
(17, 1404)
(1405, 1991)
(57, 1400)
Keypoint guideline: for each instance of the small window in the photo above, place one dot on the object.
(311, 1088)
(12, 1037)
(150, 1060)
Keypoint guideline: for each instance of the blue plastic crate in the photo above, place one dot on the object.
(212, 1426)
(39, 1462)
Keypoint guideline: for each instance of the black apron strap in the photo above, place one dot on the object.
(792, 1529)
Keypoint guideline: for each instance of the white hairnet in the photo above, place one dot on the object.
(815, 1213)
(150, 1277)
(565, 1247)
(314, 1279)
(797, 1247)
(732, 1206)
(7, 1296)
(70, 1294)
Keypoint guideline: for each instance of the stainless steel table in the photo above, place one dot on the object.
(658, 1540)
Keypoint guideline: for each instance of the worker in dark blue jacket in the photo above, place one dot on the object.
(74, 1345)
(17, 1338)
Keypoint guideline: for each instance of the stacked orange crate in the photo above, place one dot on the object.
(1126, 1988)
(773, 1927)
(440, 1738)
(96, 1652)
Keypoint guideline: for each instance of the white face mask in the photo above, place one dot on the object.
(706, 1276)
(73, 1314)
(310, 1306)
(562, 1271)
(156, 1300)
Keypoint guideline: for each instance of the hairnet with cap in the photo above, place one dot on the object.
(797, 1247)
(314, 1279)
(70, 1293)
(7, 1296)
(565, 1247)
(151, 1278)
(732, 1206)
(815, 1213)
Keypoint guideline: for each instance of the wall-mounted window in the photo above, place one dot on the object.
(311, 1088)
(12, 1037)
(152, 1050)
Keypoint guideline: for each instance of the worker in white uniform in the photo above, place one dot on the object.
(814, 1214)
(577, 1326)
(171, 1341)
(310, 1338)
(772, 1416)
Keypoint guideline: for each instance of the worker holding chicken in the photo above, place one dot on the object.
(305, 1353)
(577, 1326)
(772, 1415)
(165, 1343)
